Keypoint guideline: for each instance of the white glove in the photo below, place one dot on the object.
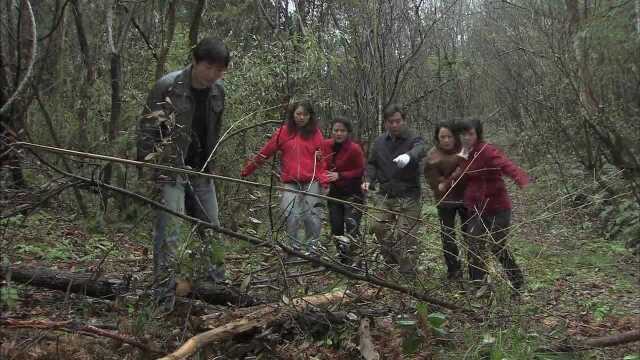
(402, 160)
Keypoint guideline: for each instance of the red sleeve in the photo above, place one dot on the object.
(326, 154)
(321, 160)
(499, 160)
(356, 162)
(267, 150)
(273, 144)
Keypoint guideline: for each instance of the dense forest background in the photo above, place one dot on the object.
(556, 82)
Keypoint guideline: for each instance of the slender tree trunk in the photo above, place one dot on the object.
(196, 19)
(85, 87)
(168, 38)
(116, 99)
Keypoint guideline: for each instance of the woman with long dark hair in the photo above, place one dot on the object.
(487, 202)
(301, 168)
(344, 160)
(442, 160)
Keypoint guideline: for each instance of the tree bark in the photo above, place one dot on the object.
(89, 285)
(116, 98)
(90, 67)
(196, 19)
(168, 40)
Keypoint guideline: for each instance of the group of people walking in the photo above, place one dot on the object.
(464, 172)
(181, 126)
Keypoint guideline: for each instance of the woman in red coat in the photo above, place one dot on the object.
(344, 161)
(487, 202)
(301, 168)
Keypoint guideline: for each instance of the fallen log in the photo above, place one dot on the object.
(569, 345)
(612, 340)
(109, 288)
(261, 316)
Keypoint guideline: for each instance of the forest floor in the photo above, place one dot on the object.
(577, 285)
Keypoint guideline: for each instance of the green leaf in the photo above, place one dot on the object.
(406, 323)
(436, 320)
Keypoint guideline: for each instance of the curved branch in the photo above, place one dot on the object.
(330, 265)
(57, 24)
(27, 76)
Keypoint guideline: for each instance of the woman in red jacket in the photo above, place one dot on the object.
(344, 161)
(487, 202)
(301, 168)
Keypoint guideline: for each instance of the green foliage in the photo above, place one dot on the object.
(417, 332)
(16, 220)
(513, 343)
(9, 296)
(621, 221)
(61, 250)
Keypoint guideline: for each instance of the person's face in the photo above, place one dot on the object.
(339, 132)
(394, 124)
(446, 141)
(301, 116)
(469, 137)
(204, 74)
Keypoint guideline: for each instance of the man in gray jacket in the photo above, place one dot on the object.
(181, 127)
(394, 164)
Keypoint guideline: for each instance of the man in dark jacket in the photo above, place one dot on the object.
(181, 127)
(394, 164)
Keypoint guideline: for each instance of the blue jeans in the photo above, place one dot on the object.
(300, 208)
(194, 197)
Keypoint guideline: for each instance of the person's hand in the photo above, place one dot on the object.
(464, 153)
(402, 160)
(442, 187)
(365, 186)
(332, 176)
(248, 169)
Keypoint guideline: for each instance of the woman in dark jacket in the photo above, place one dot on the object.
(487, 201)
(344, 161)
(442, 160)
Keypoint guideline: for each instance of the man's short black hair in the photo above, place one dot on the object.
(472, 123)
(211, 50)
(392, 109)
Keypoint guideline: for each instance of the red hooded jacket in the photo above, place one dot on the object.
(485, 190)
(301, 157)
(348, 162)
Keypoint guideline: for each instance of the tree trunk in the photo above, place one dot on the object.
(116, 99)
(86, 284)
(168, 38)
(90, 67)
(194, 29)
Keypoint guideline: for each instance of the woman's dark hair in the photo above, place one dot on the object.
(342, 120)
(211, 50)
(451, 126)
(392, 109)
(469, 124)
(310, 127)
